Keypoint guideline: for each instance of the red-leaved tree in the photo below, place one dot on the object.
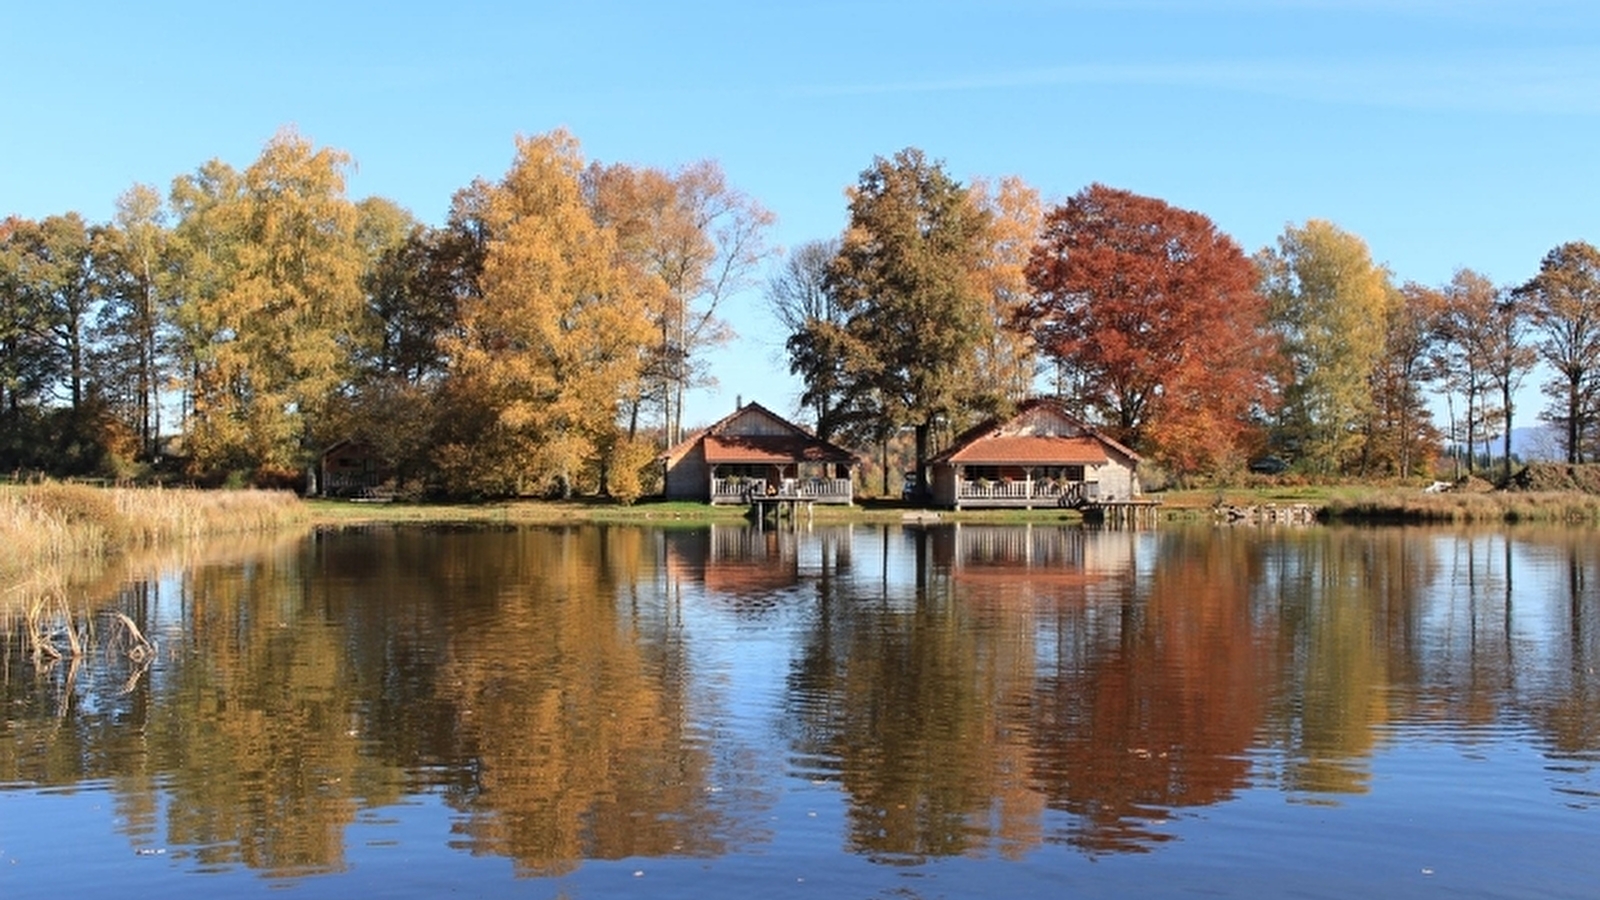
(1153, 315)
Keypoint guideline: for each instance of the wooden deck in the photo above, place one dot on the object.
(775, 507)
(1122, 512)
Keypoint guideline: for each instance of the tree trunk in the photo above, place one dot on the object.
(1505, 398)
(922, 431)
(1574, 423)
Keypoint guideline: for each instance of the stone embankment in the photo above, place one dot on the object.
(1268, 514)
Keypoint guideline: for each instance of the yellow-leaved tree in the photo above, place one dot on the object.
(542, 357)
(276, 317)
(1331, 305)
(1006, 361)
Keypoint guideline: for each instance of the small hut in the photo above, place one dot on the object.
(756, 452)
(1040, 456)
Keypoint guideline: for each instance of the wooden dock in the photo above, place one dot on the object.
(1121, 512)
(776, 506)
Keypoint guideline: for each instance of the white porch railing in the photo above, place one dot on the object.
(737, 488)
(1027, 491)
(742, 489)
(818, 488)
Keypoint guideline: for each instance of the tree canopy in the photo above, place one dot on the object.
(546, 337)
(1330, 304)
(1564, 302)
(1155, 314)
(913, 316)
(543, 358)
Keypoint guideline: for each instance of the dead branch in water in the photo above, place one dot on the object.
(130, 640)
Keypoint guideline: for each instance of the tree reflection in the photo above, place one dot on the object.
(574, 711)
(255, 730)
(970, 690)
(1153, 704)
(957, 715)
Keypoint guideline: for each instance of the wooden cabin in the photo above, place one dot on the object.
(349, 468)
(1040, 456)
(756, 452)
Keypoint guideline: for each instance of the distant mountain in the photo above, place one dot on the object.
(1534, 443)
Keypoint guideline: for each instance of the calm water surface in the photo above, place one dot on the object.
(952, 711)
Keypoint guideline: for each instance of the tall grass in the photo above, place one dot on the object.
(54, 536)
(47, 525)
(1495, 507)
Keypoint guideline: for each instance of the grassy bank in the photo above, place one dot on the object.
(1511, 507)
(1350, 503)
(647, 512)
(1469, 504)
(49, 525)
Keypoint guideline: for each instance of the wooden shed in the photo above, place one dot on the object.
(754, 451)
(1040, 456)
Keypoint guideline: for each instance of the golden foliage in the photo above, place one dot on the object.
(544, 356)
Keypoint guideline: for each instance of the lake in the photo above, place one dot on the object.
(844, 711)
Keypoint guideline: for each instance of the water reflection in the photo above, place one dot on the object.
(587, 693)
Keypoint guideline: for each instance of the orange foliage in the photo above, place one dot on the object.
(1157, 313)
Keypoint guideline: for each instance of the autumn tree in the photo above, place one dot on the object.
(284, 317)
(698, 240)
(1156, 312)
(1509, 356)
(1564, 303)
(1329, 303)
(28, 359)
(904, 284)
(133, 352)
(1007, 361)
(57, 277)
(415, 287)
(543, 357)
(51, 294)
(1472, 327)
(1401, 433)
(204, 246)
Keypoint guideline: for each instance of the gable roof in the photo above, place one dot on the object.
(782, 442)
(995, 443)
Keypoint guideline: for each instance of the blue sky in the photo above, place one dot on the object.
(1446, 133)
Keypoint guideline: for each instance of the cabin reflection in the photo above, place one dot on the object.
(1009, 563)
(749, 566)
(734, 561)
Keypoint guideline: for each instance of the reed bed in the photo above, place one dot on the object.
(48, 525)
(55, 538)
(1552, 507)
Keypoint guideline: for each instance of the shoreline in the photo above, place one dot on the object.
(51, 526)
(1329, 504)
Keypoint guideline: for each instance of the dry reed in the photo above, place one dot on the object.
(49, 525)
(53, 535)
(1495, 507)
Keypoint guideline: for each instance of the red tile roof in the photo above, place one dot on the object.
(1030, 450)
(797, 445)
(990, 444)
(733, 448)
